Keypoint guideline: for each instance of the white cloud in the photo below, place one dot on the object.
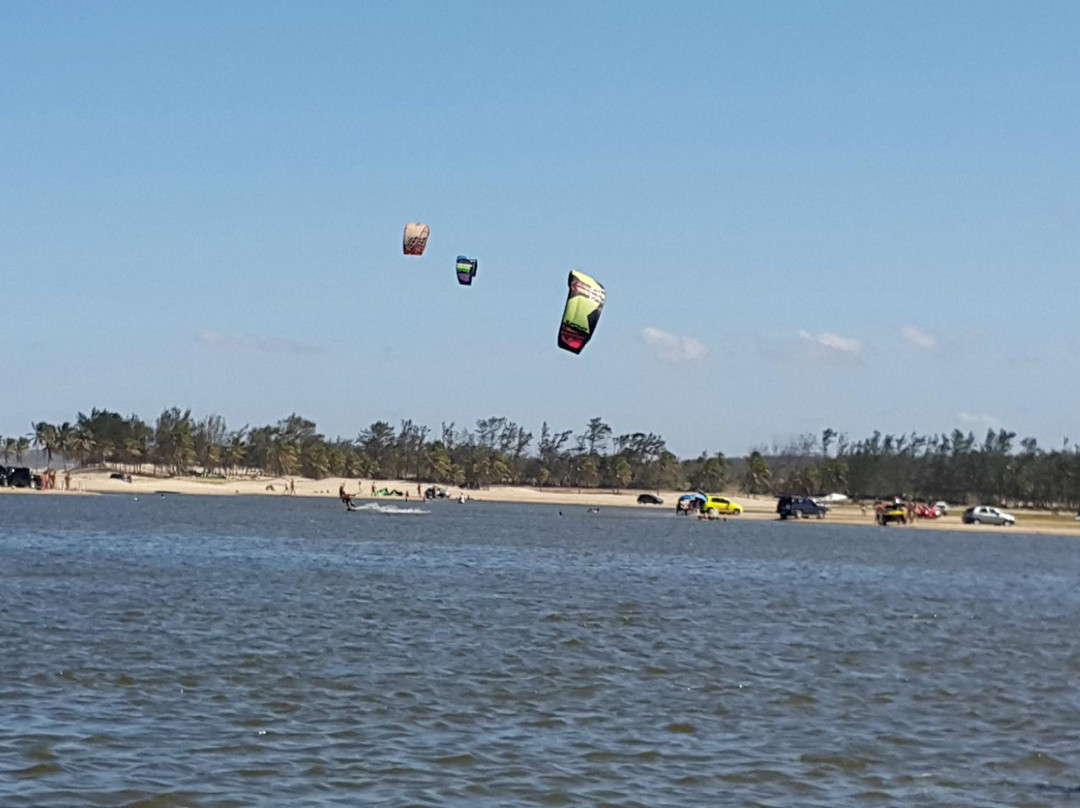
(827, 345)
(919, 338)
(263, 344)
(988, 421)
(668, 347)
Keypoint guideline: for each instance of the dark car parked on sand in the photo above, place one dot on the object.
(649, 499)
(800, 506)
(20, 477)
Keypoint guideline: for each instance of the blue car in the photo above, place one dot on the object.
(800, 506)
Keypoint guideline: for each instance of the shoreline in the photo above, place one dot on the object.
(756, 507)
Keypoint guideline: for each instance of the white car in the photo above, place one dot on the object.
(985, 515)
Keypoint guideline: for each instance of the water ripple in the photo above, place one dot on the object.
(180, 652)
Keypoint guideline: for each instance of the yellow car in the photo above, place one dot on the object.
(717, 505)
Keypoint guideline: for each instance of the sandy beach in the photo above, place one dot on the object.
(755, 507)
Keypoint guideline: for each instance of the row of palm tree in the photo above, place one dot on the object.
(953, 466)
(496, 451)
(16, 448)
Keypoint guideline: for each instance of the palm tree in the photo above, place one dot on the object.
(757, 476)
(709, 473)
(500, 469)
(457, 474)
(134, 453)
(621, 472)
(314, 460)
(668, 471)
(235, 451)
(174, 440)
(438, 460)
(377, 442)
(834, 476)
(807, 480)
(586, 472)
(480, 471)
(65, 434)
(44, 438)
(22, 445)
(284, 457)
(83, 443)
(356, 465)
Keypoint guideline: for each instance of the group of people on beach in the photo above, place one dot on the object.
(48, 481)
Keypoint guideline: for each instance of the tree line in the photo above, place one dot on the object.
(953, 466)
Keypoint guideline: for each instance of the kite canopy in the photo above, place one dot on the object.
(416, 236)
(584, 303)
(466, 270)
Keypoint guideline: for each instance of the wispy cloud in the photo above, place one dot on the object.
(668, 347)
(829, 348)
(988, 421)
(252, 342)
(834, 342)
(919, 338)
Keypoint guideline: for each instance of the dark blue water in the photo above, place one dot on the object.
(204, 651)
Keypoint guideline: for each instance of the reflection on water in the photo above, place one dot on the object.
(200, 652)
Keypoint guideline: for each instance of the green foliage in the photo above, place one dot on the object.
(707, 473)
(954, 466)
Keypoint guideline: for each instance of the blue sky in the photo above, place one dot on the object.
(856, 215)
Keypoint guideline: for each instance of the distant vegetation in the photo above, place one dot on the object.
(955, 466)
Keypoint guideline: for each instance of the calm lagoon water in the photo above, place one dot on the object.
(210, 652)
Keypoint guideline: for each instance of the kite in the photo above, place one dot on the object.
(416, 236)
(466, 270)
(584, 303)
